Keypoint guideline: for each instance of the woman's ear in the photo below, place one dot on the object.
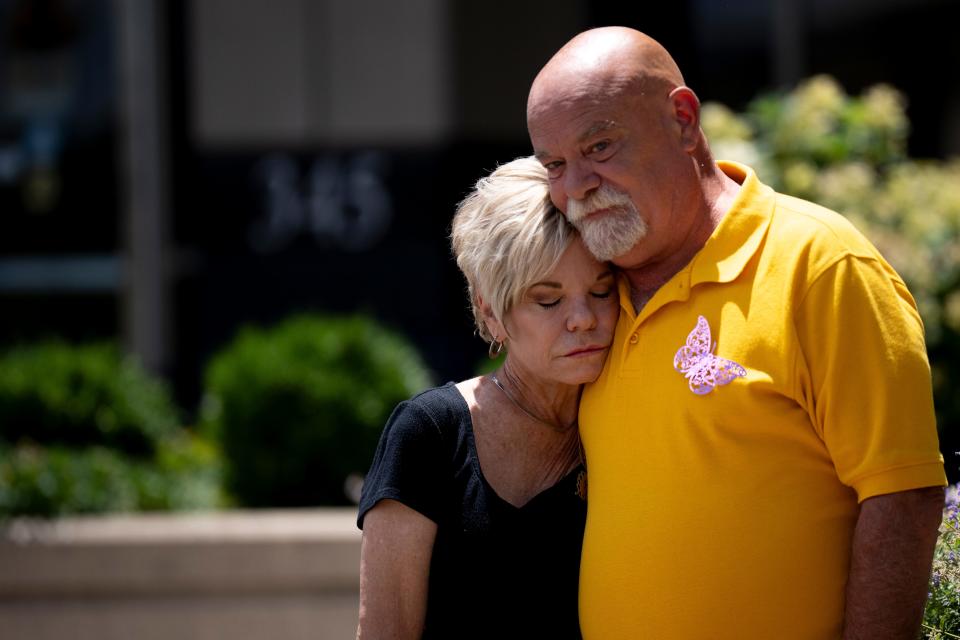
(494, 326)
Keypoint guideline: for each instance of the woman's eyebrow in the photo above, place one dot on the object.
(557, 285)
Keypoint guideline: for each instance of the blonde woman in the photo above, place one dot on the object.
(474, 507)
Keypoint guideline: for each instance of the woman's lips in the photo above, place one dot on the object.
(586, 351)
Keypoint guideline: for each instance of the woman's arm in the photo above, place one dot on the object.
(394, 568)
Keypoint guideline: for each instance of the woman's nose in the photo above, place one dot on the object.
(582, 316)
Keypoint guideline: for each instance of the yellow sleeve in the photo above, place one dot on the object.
(866, 378)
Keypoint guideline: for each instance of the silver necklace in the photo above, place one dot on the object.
(552, 425)
(581, 483)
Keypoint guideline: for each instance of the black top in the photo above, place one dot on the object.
(497, 571)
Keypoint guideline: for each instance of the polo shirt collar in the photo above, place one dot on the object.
(728, 249)
(740, 232)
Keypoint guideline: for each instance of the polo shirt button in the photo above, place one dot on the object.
(634, 338)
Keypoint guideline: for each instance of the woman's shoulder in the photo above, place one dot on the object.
(446, 397)
(411, 461)
(443, 408)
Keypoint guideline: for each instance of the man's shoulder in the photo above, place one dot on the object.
(814, 228)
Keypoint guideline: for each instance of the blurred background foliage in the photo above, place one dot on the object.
(291, 417)
(84, 429)
(298, 408)
(848, 153)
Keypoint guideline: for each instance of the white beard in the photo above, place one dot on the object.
(613, 233)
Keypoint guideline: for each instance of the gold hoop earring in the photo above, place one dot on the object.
(496, 346)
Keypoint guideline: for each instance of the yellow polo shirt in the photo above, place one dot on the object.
(729, 513)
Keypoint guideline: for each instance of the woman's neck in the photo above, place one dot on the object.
(549, 401)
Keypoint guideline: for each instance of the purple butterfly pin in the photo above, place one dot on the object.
(695, 360)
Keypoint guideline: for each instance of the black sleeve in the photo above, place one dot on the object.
(407, 464)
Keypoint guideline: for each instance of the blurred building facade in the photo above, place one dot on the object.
(170, 171)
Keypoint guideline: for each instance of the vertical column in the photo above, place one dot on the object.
(145, 299)
(788, 45)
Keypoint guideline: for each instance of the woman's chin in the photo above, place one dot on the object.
(584, 373)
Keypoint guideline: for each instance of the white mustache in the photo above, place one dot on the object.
(605, 197)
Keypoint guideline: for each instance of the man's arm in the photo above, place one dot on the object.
(890, 566)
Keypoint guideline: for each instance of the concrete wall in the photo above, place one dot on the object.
(238, 575)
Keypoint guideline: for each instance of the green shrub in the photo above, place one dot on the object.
(299, 407)
(84, 430)
(849, 154)
(74, 396)
(53, 481)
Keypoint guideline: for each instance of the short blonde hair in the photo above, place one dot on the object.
(506, 236)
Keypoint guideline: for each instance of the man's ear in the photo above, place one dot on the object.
(686, 112)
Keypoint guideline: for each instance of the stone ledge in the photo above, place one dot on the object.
(315, 550)
(226, 526)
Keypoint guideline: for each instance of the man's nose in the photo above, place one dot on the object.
(579, 180)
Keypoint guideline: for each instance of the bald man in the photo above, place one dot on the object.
(762, 446)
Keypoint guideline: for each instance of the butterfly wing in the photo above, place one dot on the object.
(697, 346)
(700, 338)
(701, 379)
(713, 371)
(725, 371)
(686, 359)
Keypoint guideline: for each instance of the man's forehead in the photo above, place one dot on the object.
(597, 127)
(580, 108)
